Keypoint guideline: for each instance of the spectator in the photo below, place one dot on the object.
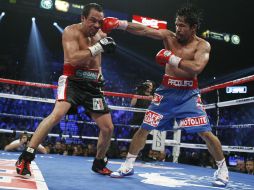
(21, 143)
(240, 166)
(161, 157)
(58, 149)
(145, 89)
(250, 167)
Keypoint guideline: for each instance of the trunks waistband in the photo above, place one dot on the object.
(80, 72)
(179, 83)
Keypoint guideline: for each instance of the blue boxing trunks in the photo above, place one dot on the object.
(177, 99)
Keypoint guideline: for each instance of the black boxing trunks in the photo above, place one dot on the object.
(80, 86)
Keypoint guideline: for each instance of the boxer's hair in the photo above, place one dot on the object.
(87, 8)
(191, 15)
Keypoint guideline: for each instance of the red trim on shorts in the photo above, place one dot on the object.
(179, 83)
(70, 70)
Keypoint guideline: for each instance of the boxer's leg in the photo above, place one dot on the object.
(105, 124)
(214, 147)
(23, 163)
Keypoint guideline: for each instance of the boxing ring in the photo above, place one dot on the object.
(73, 172)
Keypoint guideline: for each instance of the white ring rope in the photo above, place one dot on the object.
(167, 142)
(207, 106)
(65, 119)
(52, 101)
(241, 126)
(229, 103)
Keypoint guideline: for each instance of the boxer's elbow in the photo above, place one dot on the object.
(197, 67)
(191, 67)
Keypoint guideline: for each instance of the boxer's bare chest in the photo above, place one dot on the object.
(84, 43)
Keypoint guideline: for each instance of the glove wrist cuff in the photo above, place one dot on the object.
(123, 24)
(96, 49)
(174, 60)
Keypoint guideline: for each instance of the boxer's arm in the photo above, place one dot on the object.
(201, 58)
(141, 30)
(72, 54)
(111, 23)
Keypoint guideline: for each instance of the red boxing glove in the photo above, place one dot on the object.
(164, 57)
(110, 23)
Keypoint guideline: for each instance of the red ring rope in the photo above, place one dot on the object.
(124, 95)
(41, 85)
(226, 84)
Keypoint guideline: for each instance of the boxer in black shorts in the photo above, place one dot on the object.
(80, 84)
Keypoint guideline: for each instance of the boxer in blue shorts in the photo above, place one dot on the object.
(184, 58)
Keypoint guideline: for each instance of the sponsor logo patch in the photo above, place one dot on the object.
(152, 118)
(157, 99)
(193, 121)
(87, 75)
(98, 104)
(200, 104)
(180, 83)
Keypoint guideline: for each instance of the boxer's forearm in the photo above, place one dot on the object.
(136, 29)
(190, 66)
(141, 30)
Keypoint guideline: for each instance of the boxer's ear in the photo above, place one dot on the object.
(82, 18)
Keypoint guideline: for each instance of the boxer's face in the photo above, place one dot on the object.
(183, 30)
(93, 22)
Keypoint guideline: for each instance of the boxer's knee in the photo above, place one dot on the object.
(142, 132)
(206, 135)
(107, 128)
(209, 137)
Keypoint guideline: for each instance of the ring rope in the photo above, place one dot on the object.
(52, 101)
(124, 95)
(167, 142)
(25, 83)
(229, 83)
(41, 85)
(207, 106)
(239, 126)
(229, 103)
(65, 119)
